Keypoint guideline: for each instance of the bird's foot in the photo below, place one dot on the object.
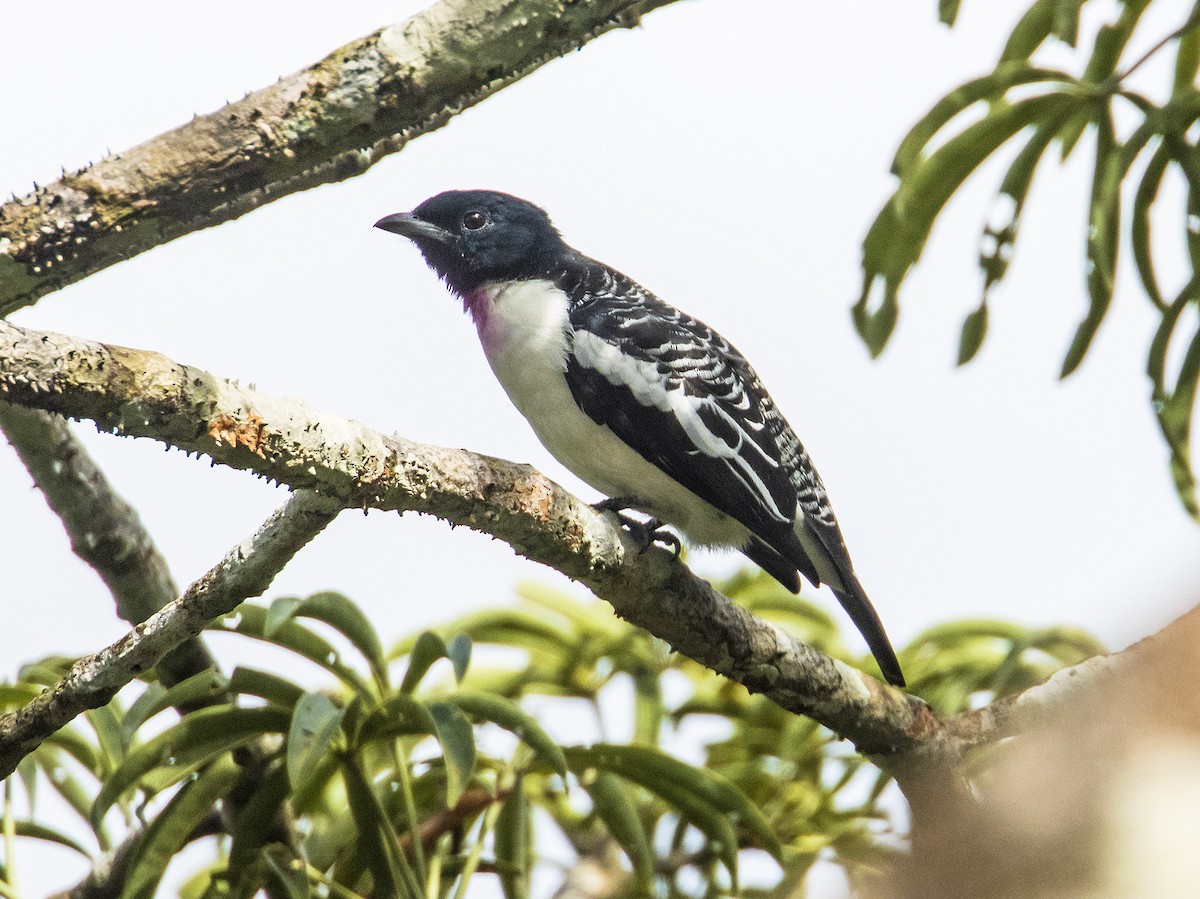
(645, 533)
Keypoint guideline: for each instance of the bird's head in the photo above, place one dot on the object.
(470, 237)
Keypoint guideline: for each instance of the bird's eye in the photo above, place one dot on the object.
(474, 220)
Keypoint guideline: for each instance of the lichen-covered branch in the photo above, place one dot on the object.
(325, 123)
(105, 531)
(247, 570)
(144, 394)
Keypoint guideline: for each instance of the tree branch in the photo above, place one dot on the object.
(326, 123)
(247, 570)
(105, 531)
(145, 394)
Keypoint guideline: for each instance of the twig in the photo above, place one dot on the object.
(1190, 22)
(247, 570)
(325, 123)
(105, 531)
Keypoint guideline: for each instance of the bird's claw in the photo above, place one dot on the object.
(658, 533)
(645, 533)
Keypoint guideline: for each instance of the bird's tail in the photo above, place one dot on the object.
(866, 619)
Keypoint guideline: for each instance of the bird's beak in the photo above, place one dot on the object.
(408, 225)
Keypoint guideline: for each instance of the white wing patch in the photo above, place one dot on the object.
(650, 388)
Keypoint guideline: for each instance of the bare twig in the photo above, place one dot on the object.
(247, 570)
(470, 804)
(105, 531)
(326, 123)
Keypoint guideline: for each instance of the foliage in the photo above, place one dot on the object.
(1035, 108)
(446, 756)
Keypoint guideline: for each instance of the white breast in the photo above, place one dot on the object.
(525, 335)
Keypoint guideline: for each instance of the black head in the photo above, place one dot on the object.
(473, 236)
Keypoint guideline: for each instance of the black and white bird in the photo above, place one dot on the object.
(643, 402)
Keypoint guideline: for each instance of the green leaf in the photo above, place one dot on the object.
(36, 831)
(672, 779)
(514, 839)
(13, 696)
(458, 651)
(173, 826)
(312, 798)
(648, 706)
(183, 748)
(948, 11)
(341, 613)
(27, 771)
(1102, 243)
(429, 649)
(107, 727)
(375, 833)
(588, 620)
(1187, 57)
(1110, 43)
(974, 329)
(1157, 362)
(1066, 21)
(288, 871)
(510, 627)
(991, 87)
(1140, 227)
(143, 708)
(506, 713)
(614, 807)
(1071, 131)
(296, 637)
(66, 784)
(77, 746)
(258, 818)
(401, 715)
(1175, 420)
(922, 194)
(274, 689)
(999, 237)
(897, 238)
(47, 672)
(280, 612)
(457, 737)
(715, 825)
(315, 722)
(1030, 32)
(875, 325)
(202, 686)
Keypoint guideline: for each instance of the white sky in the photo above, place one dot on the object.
(730, 157)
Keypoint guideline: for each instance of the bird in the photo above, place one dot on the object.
(648, 405)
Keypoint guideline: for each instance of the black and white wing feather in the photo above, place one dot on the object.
(680, 395)
(686, 400)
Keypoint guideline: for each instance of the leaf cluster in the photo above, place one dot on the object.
(423, 765)
(1034, 109)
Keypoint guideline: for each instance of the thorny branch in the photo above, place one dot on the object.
(105, 531)
(247, 570)
(325, 123)
(144, 394)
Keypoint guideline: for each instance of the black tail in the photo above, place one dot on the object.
(853, 599)
(866, 619)
(773, 564)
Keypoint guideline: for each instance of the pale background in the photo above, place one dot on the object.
(730, 157)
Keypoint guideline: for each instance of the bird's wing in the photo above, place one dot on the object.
(682, 397)
(685, 399)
